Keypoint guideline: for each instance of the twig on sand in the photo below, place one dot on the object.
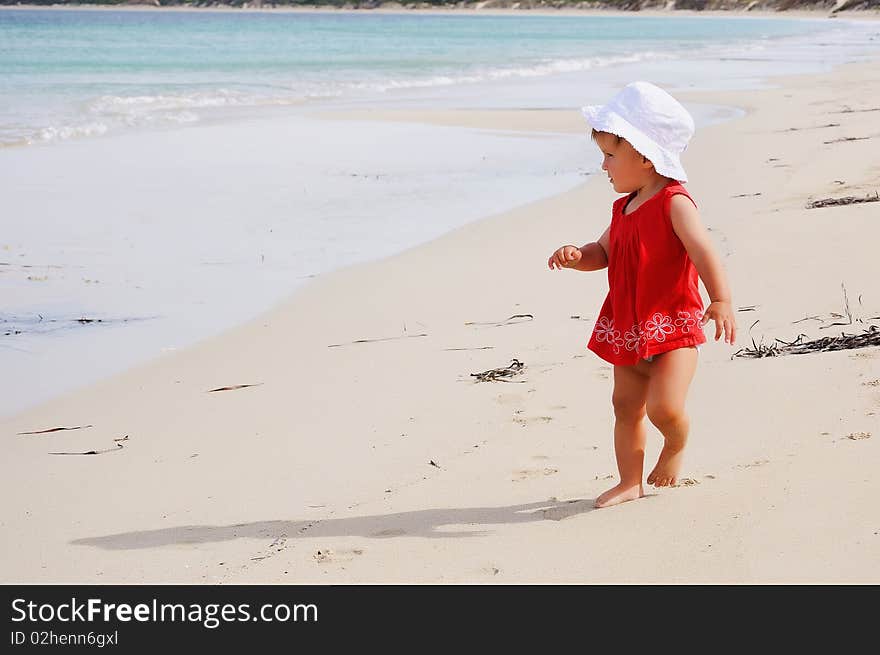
(94, 452)
(509, 321)
(847, 138)
(807, 318)
(848, 110)
(497, 374)
(811, 127)
(402, 336)
(475, 348)
(845, 308)
(746, 195)
(232, 388)
(78, 427)
(847, 200)
(114, 449)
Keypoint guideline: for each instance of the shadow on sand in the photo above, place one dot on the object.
(420, 523)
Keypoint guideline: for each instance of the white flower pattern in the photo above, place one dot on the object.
(658, 329)
(605, 331)
(632, 338)
(685, 322)
(659, 326)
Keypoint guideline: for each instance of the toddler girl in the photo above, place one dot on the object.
(650, 326)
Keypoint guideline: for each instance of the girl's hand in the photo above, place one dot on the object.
(565, 257)
(721, 312)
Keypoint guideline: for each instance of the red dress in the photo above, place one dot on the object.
(653, 303)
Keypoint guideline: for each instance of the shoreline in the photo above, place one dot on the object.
(816, 13)
(251, 473)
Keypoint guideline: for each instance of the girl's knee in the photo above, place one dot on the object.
(628, 409)
(664, 414)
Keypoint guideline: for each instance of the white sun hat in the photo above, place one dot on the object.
(653, 122)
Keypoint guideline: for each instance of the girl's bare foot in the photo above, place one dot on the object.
(620, 494)
(665, 473)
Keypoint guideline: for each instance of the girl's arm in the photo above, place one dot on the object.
(594, 256)
(696, 240)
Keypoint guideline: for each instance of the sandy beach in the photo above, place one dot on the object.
(363, 450)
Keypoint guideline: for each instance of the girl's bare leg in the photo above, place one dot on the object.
(671, 375)
(629, 399)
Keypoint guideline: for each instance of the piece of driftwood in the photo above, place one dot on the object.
(846, 200)
(234, 387)
(801, 345)
(498, 374)
(402, 336)
(78, 427)
(509, 321)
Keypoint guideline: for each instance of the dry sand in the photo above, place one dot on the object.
(323, 473)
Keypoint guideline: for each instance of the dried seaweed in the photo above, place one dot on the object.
(498, 374)
(847, 200)
(845, 308)
(869, 337)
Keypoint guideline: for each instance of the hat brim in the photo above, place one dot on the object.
(602, 119)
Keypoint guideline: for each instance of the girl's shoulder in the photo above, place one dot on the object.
(672, 189)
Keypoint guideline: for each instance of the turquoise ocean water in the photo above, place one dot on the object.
(75, 73)
(166, 174)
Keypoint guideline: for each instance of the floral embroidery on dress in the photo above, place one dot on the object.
(605, 331)
(658, 329)
(659, 326)
(632, 337)
(685, 321)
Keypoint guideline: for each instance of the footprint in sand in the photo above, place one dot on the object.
(525, 420)
(567, 510)
(328, 556)
(529, 474)
(757, 462)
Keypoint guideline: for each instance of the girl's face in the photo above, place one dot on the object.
(627, 170)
